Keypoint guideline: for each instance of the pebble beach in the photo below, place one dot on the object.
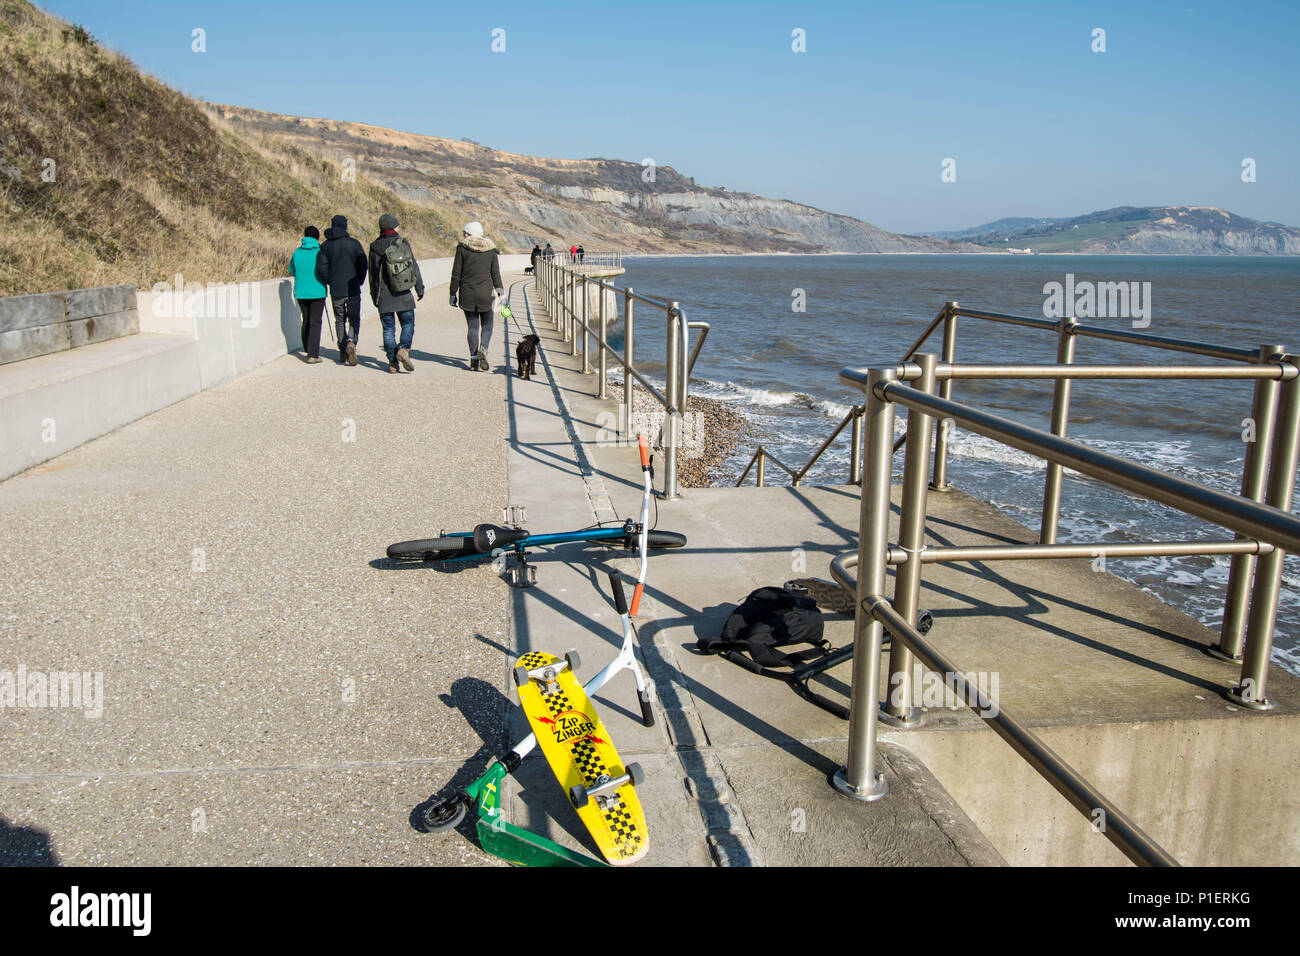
(712, 432)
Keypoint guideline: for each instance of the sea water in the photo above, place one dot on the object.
(782, 327)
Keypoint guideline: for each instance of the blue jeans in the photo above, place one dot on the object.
(391, 345)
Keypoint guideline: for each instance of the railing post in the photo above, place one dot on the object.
(855, 447)
(899, 710)
(1060, 423)
(554, 291)
(573, 313)
(600, 345)
(627, 362)
(859, 778)
(1254, 476)
(940, 480)
(762, 466)
(672, 388)
(586, 315)
(1268, 571)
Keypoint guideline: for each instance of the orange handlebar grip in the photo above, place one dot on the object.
(645, 450)
(636, 599)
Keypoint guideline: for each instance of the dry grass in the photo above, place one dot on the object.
(145, 184)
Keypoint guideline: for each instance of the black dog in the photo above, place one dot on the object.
(526, 353)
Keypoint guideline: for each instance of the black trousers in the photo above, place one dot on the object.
(347, 319)
(312, 311)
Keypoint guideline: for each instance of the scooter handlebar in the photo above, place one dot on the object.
(620, 597)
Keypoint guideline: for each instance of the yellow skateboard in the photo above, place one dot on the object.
(578, 748)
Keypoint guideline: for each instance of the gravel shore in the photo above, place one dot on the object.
(711, 433)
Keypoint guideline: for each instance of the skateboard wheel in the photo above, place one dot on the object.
(521, 675)
(574, 660)
(634, 771)
(445, 816)
(578, 796)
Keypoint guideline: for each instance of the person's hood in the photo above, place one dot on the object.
(478, 244)
(338, 228)
(309, 243)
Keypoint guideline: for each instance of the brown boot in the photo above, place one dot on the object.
(392, 367)
(404, 357)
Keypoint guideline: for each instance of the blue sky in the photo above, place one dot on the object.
(860, 123)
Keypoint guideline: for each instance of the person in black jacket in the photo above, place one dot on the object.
(342, 266)
(391, 303)
(475, 273)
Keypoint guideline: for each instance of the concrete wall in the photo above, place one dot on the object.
(32, 325)
(1192, 785)
(242, 326)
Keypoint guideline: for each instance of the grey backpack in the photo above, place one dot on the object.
(399, 265)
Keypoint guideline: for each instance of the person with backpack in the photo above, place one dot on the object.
(341, 266)
(394, 273)
(308, 291)
(475, 273)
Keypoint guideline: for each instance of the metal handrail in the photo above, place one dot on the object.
(593, 259)
(1132, 841)
(762, 455)
(1266, 364)
(564, 286)
(1267, 529)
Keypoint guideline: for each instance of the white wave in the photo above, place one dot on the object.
(768, 398)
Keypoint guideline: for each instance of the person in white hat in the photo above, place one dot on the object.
(475, 275)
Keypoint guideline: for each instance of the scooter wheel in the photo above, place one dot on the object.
(574, 660)
(578, 796)
(446, 815)
(635, 772)
(521, 676)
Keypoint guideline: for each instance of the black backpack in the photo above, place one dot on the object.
(770, 618)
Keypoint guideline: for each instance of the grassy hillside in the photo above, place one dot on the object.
(107, 175)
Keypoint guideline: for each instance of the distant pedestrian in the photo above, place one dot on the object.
(573, 253)
(342, 266)
(394, 273)
(548, 252)
(475, 274)
(581, 253)
(536, 254)
(308, 291)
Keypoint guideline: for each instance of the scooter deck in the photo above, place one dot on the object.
(575, 743)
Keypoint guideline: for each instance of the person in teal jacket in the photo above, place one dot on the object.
(309, 291)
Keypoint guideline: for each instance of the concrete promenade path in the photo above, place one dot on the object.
(274, 690)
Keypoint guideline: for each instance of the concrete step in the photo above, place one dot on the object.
(53, 403)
